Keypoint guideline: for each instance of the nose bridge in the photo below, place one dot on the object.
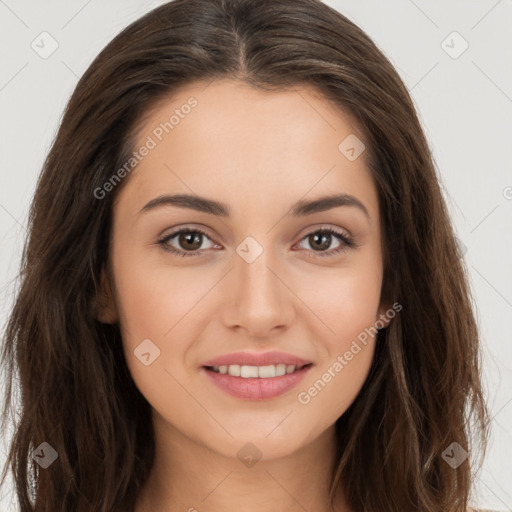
(254, 270)
(259, 298)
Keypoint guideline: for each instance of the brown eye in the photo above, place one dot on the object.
(321, 239)
(188, 242)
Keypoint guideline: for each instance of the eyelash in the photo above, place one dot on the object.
(346, 242)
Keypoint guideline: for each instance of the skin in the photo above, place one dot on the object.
(258, 152)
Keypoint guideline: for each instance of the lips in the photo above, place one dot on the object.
(257, 359)
(238, 376)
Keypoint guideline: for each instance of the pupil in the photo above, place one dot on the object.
(326, 238)
(190, 237)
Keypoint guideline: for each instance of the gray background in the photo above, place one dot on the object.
(464, 99)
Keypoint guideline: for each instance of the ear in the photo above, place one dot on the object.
(104, 306)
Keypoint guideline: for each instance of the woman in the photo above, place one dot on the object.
(241, 288)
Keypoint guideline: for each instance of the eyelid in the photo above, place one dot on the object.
(308, 230)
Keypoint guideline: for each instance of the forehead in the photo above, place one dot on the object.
(228, 138)
(235, 109)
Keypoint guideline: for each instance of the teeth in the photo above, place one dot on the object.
(251, 372)
(280, 370)
(234, 370)
(264, 372)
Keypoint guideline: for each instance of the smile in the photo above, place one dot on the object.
(261, 372)
(256, 382)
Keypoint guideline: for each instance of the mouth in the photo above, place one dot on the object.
(254, 383)
(257, 372)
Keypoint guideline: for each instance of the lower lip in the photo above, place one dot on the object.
(256, 388)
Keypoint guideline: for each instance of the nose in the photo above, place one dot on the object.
(260, 301)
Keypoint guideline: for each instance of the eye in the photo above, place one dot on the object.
(190, 240)
(322, 239)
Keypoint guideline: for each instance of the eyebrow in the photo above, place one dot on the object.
(300, 209)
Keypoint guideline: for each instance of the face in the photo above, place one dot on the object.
(254, 270)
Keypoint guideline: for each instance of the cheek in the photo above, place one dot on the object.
(343, 301)
(156, 306)
(154, 300)
(160, 314)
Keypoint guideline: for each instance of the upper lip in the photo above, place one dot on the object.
(256, 359)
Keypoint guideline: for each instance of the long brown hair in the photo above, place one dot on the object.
(423, 392)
